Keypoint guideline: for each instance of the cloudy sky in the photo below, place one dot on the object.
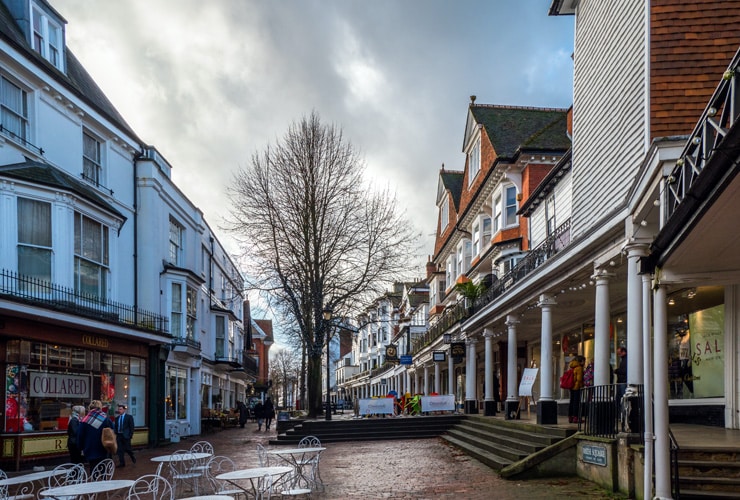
(211, 82)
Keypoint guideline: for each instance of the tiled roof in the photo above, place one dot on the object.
(41, 173)
(77, 79)
(511, 129)
(453, 182)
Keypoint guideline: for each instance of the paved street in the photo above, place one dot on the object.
(415, 469)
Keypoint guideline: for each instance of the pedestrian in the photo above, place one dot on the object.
(73, 431)
(243, 413)
(621, 373)
(269, 413)
(90, 434)
(588, 374)
(574, 406)
(259, 414)
(124, 427)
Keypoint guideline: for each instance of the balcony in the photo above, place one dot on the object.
(232, 360)
(186, 345)
(23, 289)
(461, 311)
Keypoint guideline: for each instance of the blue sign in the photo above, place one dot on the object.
(594, 454)
(406, 359)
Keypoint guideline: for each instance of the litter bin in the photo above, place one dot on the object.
(283, 416)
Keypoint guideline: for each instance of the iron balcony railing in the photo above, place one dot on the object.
(250, 365)
(21, 140)
(463, 309)
(41, 293)
(718, 118)
(607, 410)
(185, 342)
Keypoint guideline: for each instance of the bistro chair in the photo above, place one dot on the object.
(309, 442)
(24, 493)
(264, 487)
(69, 474)
(312, 463)
(151, 487)
(181, 473)
(219, 465)
(103, 471)
(264, 459)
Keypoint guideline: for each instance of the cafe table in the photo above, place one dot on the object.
(26, 481)
(209, 497)
(182, 474)
(238, 477)
(302, 461)
(92, 488)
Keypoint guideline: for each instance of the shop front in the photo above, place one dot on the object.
(48, 370)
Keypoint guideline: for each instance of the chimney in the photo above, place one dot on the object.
(431, 267)
(472, 100)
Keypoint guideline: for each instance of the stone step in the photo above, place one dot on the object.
(688, 494)
(492, 460)
(487, 430)
(507, 450)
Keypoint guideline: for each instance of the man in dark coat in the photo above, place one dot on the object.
(243, 413)
(259, 414)
(124, 427)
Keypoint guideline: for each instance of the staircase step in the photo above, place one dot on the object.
(689, 494)
(509, 450)
(709, 482)
(492, 460)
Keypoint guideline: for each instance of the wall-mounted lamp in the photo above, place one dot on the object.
(671, 302)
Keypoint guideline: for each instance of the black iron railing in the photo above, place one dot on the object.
(607, 410)
(44, 294)
(185, 342)
(464, 309)
(675, 479)
(720, 115)
(21, 140)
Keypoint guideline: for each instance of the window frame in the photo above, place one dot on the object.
(176, 245)
(22, 135)
(444, 213)
(35, 246)
(41, 37)
(98, 164)
(83, 255)
(474, 162)
(510, 206)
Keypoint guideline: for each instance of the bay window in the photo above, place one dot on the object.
(34, 239)
(91, 257)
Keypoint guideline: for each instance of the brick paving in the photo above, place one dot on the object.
(414, 469)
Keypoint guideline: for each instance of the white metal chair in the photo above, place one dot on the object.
(24, 492)
(312, 463)
(151, 487)
(309, 442)
(181, 474)
(219, 465)
(264, 487)
(103, 471)
(69, 473)
(262, 455)
(201, 465)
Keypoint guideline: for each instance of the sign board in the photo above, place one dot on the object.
(528, 378)
(376, 406)
(58, 385)
(438, 403)
(594, 454)
(439, 356)
(407, 359)
(457, 349)
(391, 353)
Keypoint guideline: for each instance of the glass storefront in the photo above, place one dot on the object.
(43, 381)
(696, 343)
(176, 396)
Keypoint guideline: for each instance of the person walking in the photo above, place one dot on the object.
(73, 431)
(243, 413)
(269, 413)
(259, 414)
(124, 432)
(574, 406)
(90, 434)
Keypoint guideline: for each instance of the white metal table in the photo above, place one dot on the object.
(234, 477)
(210, 497)
(191, 476)
(26, 481)
(72, 490)
(299, 459)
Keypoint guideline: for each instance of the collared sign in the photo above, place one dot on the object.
(58, 385)
(594, 454)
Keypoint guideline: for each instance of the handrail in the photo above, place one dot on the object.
(675, 479)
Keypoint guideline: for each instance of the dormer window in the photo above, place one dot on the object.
(474, 162)
(444, 214)
(47, 38)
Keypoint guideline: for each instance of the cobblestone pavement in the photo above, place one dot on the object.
(414, 469)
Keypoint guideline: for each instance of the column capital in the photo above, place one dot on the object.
(602, 274)
(546, 300)
(512, 319)
(636, 248)
(488, 333)
(471, 340)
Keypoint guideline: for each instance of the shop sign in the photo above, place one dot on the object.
(406, 359)
(59, 385)
(594, 454)
(457, 349)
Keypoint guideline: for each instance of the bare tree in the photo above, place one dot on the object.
(285, 373)
(317, 235)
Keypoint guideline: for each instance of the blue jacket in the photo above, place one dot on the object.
(90, 433)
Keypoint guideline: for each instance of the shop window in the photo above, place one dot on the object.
(176, 397)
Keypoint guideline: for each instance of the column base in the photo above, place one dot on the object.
(547, 412)
(512, 410)
(489, 408)
(471, 407)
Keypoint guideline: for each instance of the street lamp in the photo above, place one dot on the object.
(327, 324)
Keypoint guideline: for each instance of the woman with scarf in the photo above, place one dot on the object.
(73, 431)
(90, 434)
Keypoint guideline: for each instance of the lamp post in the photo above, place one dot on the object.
(327, 324)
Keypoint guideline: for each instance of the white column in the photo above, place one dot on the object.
(450, 373)
(437, 389)
(647, 360)
(512, 392)
(660, 390)
(488, 380)
(601, 328)
(634, 313)
(470, 372)
(407, 388)
(426, 380)
(546, 302)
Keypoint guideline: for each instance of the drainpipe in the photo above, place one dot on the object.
(135, 162)
(647, 393)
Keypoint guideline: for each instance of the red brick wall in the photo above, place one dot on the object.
(691, 45)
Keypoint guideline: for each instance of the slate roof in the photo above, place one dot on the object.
(453, 182)
(46, 175)
(77, 79)
(512, 129)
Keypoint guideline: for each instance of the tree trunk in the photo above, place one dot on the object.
(314, 386)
